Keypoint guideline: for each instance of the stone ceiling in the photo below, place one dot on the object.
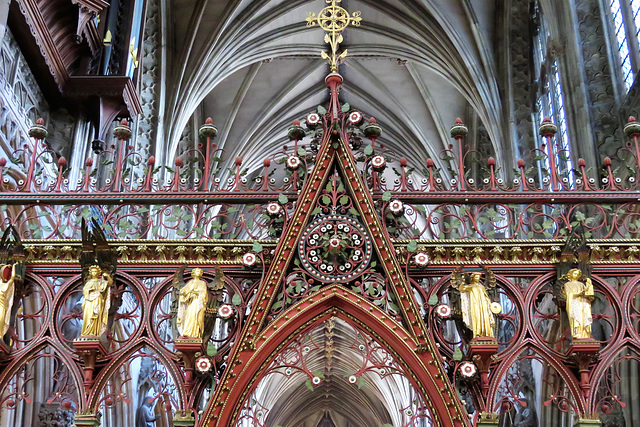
(415, 65)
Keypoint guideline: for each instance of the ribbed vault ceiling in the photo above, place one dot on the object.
(379, 400)
(253, 66)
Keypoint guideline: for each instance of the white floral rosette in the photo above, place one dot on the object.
(378, 163)
(396, 207)
(249, 259)
(313, 119)
(293, 162)
(355, 118)
(468, 369)
(225, 311)
(274, 209)
(443, 311)
(421, 259)
(203, 364)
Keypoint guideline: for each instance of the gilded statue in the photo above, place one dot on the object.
(473, 303)
(192, 301)
(97, 300)
(578, 291)
(99, 263)
(195, 303)
(7, 290)
(573, 288)
(12, 271)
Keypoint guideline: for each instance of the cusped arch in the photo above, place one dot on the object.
(336, 301)
(603, 368)
(74, 284)
(615, 310)
(551, 360)
(47, 307)
(515, 305)
(112, 368)
(74, 371)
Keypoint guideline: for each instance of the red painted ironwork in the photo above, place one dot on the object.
(345, 221)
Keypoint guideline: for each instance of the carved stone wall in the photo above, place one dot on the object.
(603, 110)
(150, 80)
(22, 103)
(521, 57)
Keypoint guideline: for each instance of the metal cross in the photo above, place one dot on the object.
(333, 19)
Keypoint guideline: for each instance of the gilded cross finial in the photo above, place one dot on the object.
(333, 19)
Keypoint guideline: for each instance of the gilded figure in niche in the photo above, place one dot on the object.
(7, 291)
(573, 288)
(475, 302)
(192, 302)
(99, 264)
(578, 291)
(195, 303)
(97, 301)
(12, 272)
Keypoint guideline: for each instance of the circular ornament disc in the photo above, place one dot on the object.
(335, 248)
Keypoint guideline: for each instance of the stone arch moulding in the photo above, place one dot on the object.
(335, 300)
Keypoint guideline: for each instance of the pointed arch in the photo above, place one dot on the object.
(337, 301)
(47, 349)
(544, 355)
(118, 362)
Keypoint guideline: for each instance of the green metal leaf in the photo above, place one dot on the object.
(368, 150)
(257, 247)
(433, 299)
(211, 350)
(412, 246)
(321, 110)
(346, 107)
(457, 354)
(386, 196)
(283, 199)
(236, 300)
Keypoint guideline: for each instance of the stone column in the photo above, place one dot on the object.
(516, 74)
(592, 39)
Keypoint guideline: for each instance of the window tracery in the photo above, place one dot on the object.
(550, 102)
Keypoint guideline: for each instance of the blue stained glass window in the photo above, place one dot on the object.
(621, 38)
(550, 103)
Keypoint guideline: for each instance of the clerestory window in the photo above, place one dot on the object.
(550, 100)
(624, 22)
